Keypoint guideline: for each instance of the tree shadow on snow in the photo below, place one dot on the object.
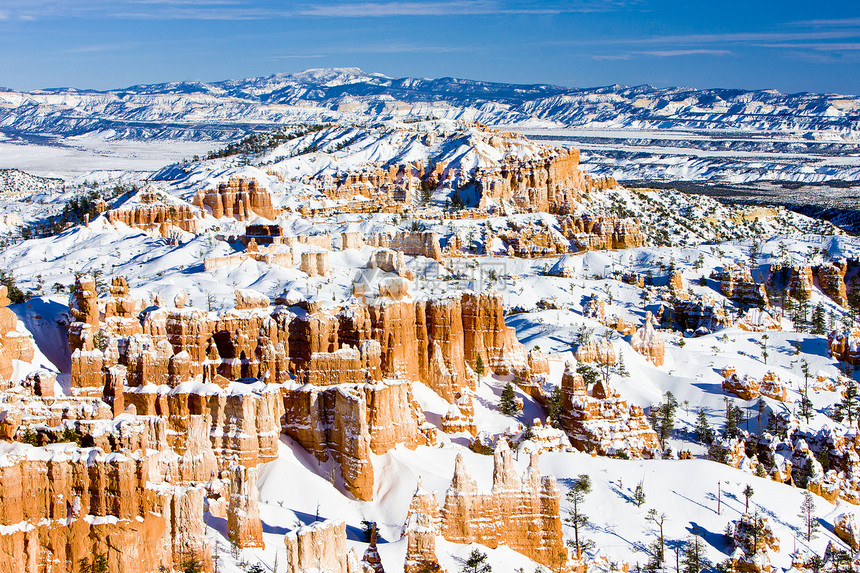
(622, 494)
(717, 540)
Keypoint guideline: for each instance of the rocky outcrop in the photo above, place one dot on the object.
(795, 281)
(348, 421)
(315, 263)
(647, 341)
(601, 421)
(758, 320)
(754, 540)
(268, 254)
(155, 211)
(748, 388)
(845, 345)
(596, 351)
(550, 181)
(737, 284)
(346, 371)
(14, 345)
(698, 315)
(591, 233)
(320, 547)
(831, 279)
(411, 243)
(60, 507)
(389, 261)
(422, 527)
(520, 512)
(243, 513)
(845, 527)
(461, 416)
(237, 198)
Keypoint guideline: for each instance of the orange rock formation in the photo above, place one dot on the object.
(155, 211)
(602, 422)
(14, 345)
(237, 198)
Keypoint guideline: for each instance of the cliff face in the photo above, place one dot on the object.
(737, 284)
(831, 279)
(520, 512)
(340, 376)
(237, 198)
(62, 506)
(320, 546)
(14, 345)
(155, 211)
(551, 183)
(416, 243)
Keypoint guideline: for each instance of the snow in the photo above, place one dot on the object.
(546, 309)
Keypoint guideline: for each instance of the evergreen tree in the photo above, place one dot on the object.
(734, 417)
(14, 294)
(99, 564)
(854, 303)
(663, 417)
(694, 559)
(554, 408)
(807, 515)
(508, 402)
(589, 374)
(620, 369)
(748, 493)
(576, 519)
(192, 565)
(762, 344)
(817, 323)
(703, 431)
(479, 367)
(476, 563)
(805, 404)
(848, 407)
(639, 493)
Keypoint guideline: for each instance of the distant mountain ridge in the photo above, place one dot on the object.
(228, 109)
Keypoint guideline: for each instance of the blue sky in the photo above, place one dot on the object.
(787, 45)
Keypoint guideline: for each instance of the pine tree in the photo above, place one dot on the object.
(554, 408)
(694, 559)
(576, 519)
(620, 369)
(192, 565)
(589, 374)
(848, 406)
(663, 417)
(479, 367)
(508, 402)
(734, 416)
(748, 493)
(639, 493)
(818, 325)
(476, 563)
(703, 430)
(807, 515)
(805, 404)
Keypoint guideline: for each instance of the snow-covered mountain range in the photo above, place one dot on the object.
(195, 110)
